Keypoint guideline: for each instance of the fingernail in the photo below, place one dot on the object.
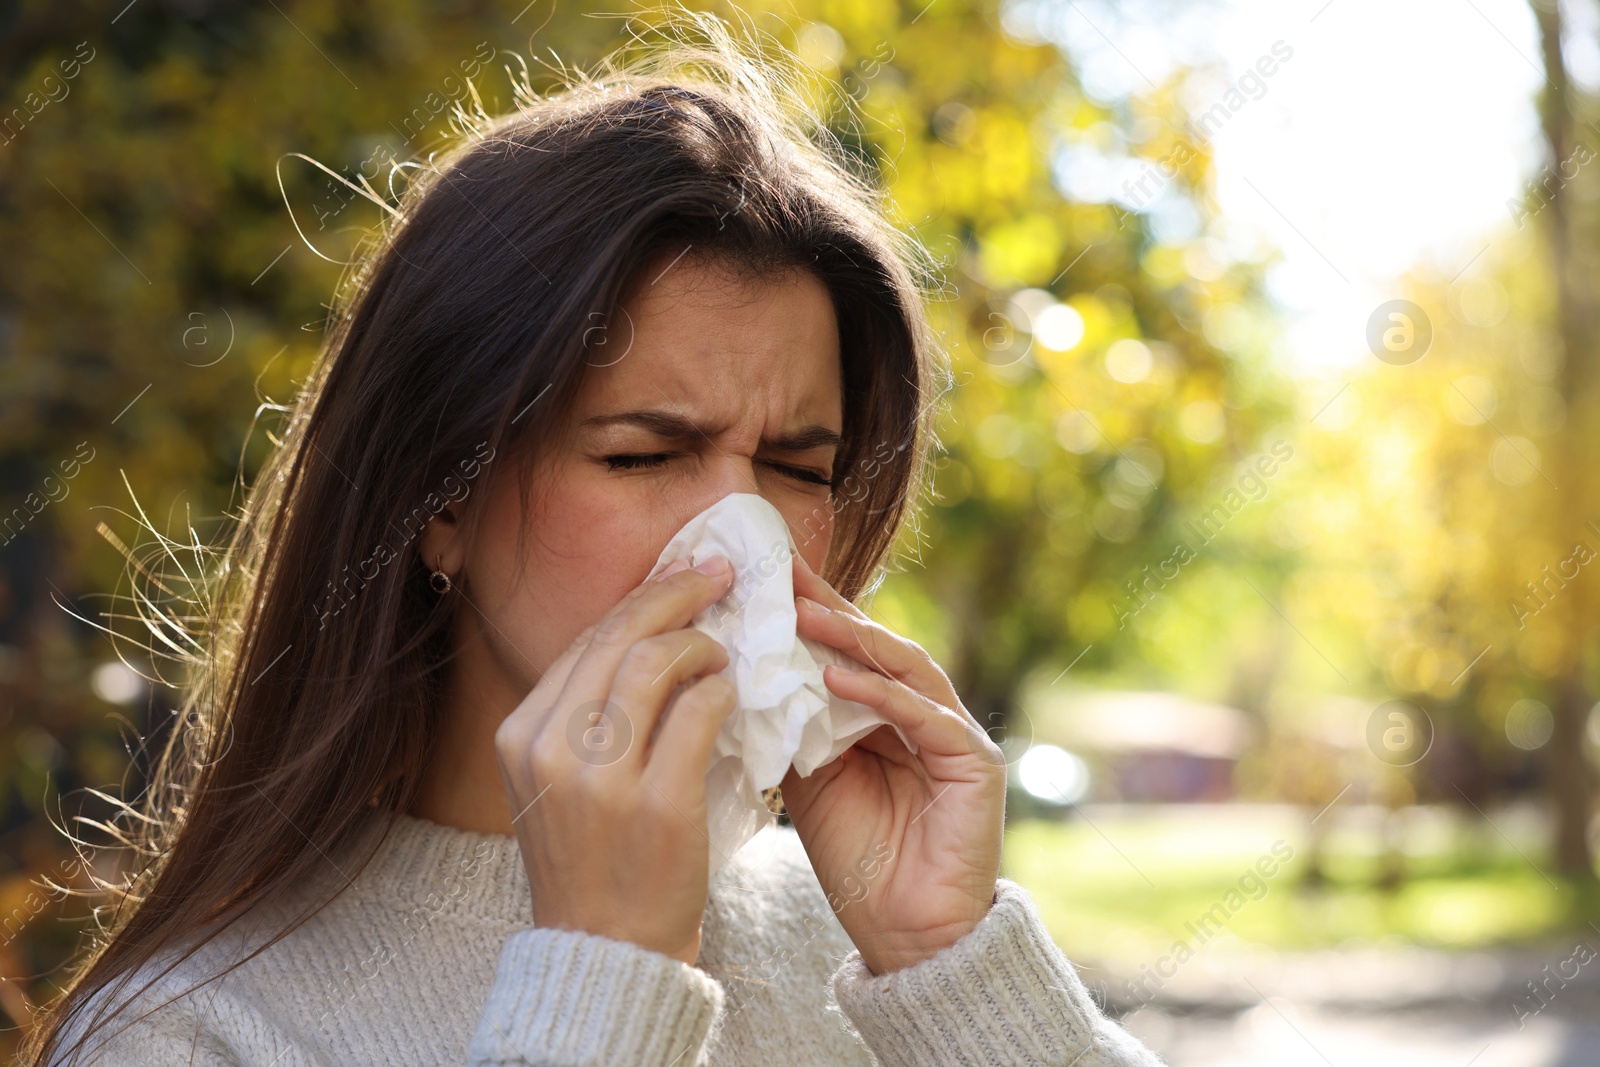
(673, 568)
(715, 565)
(811, 605)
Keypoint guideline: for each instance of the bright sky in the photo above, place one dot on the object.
(1395, 133)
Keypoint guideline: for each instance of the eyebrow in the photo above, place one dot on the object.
(668, 424)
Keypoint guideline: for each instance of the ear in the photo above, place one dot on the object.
(442, 545)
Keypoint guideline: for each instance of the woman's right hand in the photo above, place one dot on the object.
(609, 813)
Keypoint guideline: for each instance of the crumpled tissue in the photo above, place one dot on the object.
(786, 714)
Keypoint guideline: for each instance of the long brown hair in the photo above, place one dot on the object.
(465, 327)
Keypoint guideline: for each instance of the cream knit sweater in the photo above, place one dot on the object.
(430, 957)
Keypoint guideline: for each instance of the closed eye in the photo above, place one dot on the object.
(801, 474)
(647, 461)
(654, 459)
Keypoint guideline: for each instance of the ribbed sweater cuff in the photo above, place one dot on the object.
(1002, 996)
(566, 998)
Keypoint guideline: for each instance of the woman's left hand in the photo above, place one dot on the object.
(907, 846)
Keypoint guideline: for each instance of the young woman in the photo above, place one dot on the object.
(375, 840)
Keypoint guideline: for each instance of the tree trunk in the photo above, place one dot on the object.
(1571, 788)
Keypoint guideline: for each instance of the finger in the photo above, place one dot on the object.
(808, 583)
(887, 745)
(654, 608)
(555, 676)
(681, 756)
(937, 731)
(874, 645)
(818, 604)
(650, 670)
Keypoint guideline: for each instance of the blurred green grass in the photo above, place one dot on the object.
(1126, 890)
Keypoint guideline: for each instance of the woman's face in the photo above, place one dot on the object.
(727, 384)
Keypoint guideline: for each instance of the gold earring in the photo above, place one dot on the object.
(439, 580)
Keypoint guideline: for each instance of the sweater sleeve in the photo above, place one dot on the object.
(1002, 996)
(566, 998)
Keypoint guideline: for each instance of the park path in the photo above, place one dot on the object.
(1376, 1006)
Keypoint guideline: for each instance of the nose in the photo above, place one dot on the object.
(725, 473)
(722, 473)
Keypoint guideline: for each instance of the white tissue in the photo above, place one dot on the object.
(786, 715)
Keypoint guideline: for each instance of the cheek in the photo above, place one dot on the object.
(548, 569)
(593, 538)
(588, 546)
(811, 526)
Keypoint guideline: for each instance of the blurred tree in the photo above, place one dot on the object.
(1446, 528)
(1571, 236)
(1110, 356)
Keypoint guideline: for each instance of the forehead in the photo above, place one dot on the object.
(705, 336)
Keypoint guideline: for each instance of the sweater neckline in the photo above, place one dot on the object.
(442, 870)
(425, 869)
